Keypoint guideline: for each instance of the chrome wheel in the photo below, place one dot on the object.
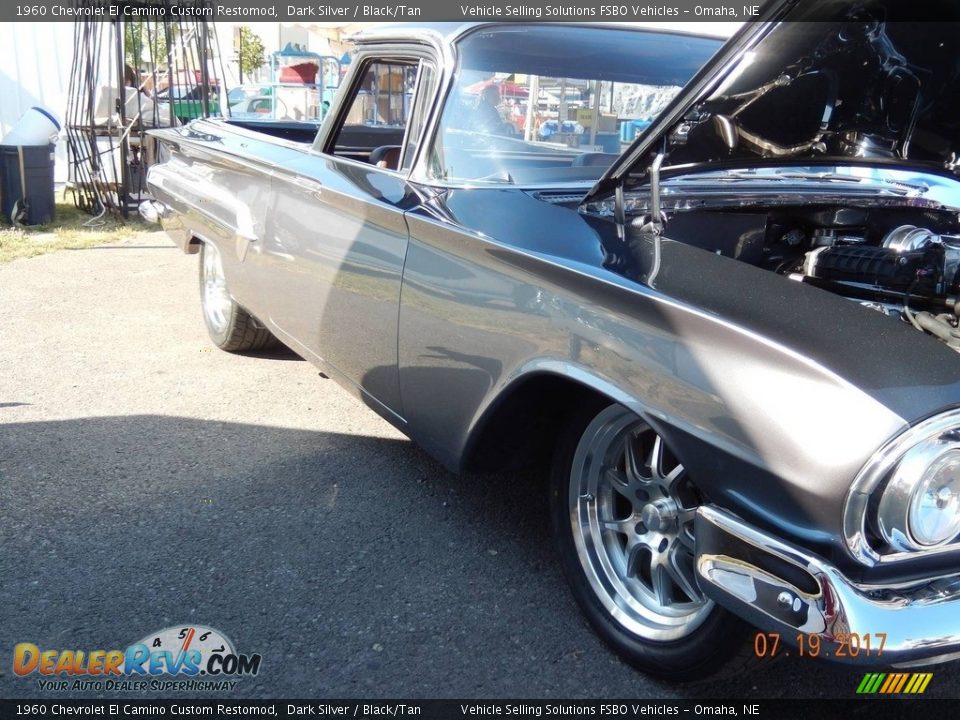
(217, 303)
(632, 508)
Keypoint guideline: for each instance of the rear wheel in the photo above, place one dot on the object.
(623, 509)
(230, 327)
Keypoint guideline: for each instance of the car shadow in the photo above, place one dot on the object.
(296, 544)
(276, 351)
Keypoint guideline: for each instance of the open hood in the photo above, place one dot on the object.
(815, 82)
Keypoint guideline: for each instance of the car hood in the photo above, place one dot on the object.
(815, 82)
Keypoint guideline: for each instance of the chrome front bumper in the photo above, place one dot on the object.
(779, 588)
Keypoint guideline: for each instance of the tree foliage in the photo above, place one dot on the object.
(144, 41)
(251, 51)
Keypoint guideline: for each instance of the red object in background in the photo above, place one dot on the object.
(507, 89)
(302, 73)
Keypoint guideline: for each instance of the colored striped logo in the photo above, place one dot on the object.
(894, 683)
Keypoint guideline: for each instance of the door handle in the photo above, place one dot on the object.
(308, 184)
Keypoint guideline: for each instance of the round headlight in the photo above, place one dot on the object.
(935, 508)
(920, 507)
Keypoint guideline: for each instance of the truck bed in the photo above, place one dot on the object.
(301, 132)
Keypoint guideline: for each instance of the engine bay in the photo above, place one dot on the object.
(903, 262)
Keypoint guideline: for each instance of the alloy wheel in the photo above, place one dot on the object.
(217, 303)
(632, 510)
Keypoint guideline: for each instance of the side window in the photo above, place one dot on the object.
(377, 112)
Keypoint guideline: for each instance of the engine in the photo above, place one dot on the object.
(892, 257)
(903, 262)
(912, 274)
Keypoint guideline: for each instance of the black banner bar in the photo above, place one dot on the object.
(373, 11)
(418, 10)
(477, 709)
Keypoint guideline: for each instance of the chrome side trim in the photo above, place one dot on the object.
(920, 622)
(870, 478)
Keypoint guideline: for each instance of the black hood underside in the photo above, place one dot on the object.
(828, 81)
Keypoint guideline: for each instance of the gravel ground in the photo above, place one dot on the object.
(149, 480)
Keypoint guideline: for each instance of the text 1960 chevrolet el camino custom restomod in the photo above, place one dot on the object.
(736, 352)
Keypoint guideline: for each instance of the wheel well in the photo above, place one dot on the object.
(193, 245)
(521, 427)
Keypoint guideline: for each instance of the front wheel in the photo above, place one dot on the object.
(230, 327)
(623, 509)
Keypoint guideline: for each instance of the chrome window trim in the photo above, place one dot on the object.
(869, 479)
(419, 96)
(401, 51)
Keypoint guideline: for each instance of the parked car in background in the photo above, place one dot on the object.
(241, 93)
(263, 107)
(733, 346)
(188, 101)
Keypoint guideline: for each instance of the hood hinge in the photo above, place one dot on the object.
(655, 221)
(646, 245)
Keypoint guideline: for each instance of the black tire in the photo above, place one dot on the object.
(231, 328)
(717, 637)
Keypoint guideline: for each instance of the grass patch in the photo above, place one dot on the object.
(68, 231)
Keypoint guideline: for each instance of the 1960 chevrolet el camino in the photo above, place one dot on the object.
(735, 345)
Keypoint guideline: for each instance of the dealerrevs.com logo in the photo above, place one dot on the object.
(186, 657)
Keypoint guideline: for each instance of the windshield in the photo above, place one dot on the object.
(544, 105)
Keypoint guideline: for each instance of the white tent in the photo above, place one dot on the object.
(35, 62)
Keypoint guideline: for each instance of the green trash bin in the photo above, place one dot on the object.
(27, 194)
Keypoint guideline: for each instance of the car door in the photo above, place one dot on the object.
(334, 256)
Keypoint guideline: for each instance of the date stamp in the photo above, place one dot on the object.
(842, 645)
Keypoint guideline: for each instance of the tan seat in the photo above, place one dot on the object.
(386, 156)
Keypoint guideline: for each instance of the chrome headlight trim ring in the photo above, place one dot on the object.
(872, 475)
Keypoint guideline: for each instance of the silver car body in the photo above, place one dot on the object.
(467, 316)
